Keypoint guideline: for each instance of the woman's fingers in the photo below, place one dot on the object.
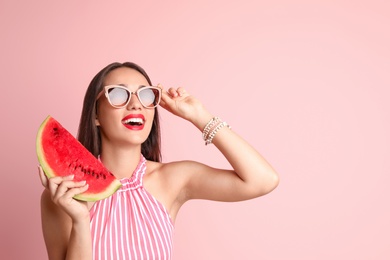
(67, 189)
(42, 176)
(64, 188)
(70, 193)
(173, 92)
(54, 182)
(61, 186)
(181, 91)
(62, 191)
(169, 97)
(176, 92)
(180, 103)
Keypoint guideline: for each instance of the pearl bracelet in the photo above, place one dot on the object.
(212, 123)
(215, 124)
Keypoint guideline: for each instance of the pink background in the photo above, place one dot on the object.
(306, 82)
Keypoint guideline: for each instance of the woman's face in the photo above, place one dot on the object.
(130, 124)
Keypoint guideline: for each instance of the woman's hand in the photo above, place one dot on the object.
(180, 103)
(62, 190)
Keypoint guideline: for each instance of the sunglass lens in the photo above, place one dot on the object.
(149, 97)
(118, 96)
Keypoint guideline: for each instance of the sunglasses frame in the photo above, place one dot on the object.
(141, 87)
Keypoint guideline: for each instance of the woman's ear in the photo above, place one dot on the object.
(97, 121)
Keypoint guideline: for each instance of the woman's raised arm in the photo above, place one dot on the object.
(252, 175)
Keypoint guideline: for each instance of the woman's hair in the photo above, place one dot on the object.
(89, 132)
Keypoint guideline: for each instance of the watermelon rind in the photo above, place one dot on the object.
(40, 153)
(49, 172)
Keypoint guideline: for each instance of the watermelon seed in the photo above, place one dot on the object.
(56, 134)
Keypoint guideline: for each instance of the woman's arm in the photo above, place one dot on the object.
(252, 175)
(65, 221)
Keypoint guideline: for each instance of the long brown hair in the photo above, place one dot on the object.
(89, 133)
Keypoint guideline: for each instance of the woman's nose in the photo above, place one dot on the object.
(134, 102)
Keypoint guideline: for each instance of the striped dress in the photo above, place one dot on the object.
(131, 224)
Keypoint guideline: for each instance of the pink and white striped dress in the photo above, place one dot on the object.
(131, 224)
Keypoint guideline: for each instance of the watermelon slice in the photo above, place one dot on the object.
(60, 154)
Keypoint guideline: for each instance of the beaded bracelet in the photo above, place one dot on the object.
(215, 124)
(212, 123)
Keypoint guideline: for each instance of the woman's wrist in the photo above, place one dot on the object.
(212, 128)
(81, 221)
(202, 118)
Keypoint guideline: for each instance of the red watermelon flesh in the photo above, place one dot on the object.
(60, 154)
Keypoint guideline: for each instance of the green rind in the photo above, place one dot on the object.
(112, 188)
(41, 156)
(115, 185)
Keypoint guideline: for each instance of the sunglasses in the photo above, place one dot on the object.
(119, 96)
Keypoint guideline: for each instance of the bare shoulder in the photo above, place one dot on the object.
(177, 170)
(178, 175)
(165, 173)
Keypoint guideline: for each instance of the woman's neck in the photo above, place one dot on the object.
(121, 161)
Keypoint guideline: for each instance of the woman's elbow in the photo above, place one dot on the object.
(267, 184)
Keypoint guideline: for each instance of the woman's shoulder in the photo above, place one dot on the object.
(176, 173)
(171, 168)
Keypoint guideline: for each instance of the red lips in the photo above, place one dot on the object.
(134, 121)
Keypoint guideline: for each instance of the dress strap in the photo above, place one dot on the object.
(136, 179)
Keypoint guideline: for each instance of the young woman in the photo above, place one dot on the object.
(120, 125)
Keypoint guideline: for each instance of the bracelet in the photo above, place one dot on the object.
(214, 125)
